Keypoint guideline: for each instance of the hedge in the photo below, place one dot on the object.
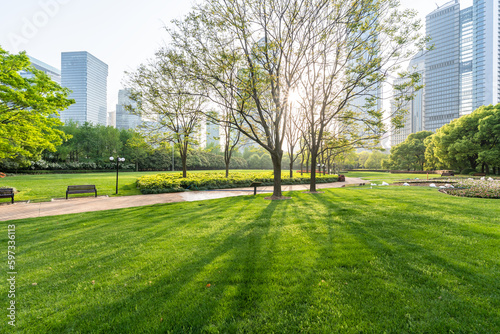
(173, 182)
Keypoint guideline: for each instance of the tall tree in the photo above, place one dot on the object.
(28, 109)
(354, 49)
(461, 144)
(250, 50)
(489, 136)
(331, 51)
(169, 101)
(410, 154)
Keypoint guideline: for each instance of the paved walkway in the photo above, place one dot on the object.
(86, 204)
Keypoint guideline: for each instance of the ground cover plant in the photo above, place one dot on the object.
(482, 188)
(39, 188)
(173, 182)
(351, 260)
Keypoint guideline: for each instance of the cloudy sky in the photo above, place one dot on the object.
(121, 33)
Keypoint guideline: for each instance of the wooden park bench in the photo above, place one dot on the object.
(448, 173)
(255, 185)
(6, 193)
(479, 174)
(81, 190)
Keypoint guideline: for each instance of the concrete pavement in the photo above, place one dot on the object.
(56, 207)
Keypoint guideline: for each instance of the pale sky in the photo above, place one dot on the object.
(123, 34)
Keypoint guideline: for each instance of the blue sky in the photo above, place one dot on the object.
(122, 33)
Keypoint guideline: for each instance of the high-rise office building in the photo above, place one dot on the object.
(414, 118)
(51, 71)
(124, 118)
(86, 76)
(486, 52)
(442, 66)
(213, 134)
(466, 61)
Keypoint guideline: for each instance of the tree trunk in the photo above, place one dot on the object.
(312, 187)
(227, 170)
(307, 163)
(277, 177)
(137, 166)
(291, 164)
(184, 164)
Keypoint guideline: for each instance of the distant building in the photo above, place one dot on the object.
(51, 71)
(213, 134)
(414, 119)
(124, 118)
(86, 76)
(112, 119)
(462, 72)
(486, 66)
(442, 66)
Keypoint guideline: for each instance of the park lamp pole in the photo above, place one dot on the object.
(118, 160)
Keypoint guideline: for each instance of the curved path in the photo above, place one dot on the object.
(56, 207)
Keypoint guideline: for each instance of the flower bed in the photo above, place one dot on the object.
(475, 188)
(173, 182)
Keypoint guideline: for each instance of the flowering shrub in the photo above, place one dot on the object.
(173, 182)
(475, 188)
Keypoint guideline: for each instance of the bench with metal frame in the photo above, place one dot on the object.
(255, 185)
(81, 190)
(6, 193)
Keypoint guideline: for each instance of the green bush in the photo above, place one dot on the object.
(173, 182)
(468, 171)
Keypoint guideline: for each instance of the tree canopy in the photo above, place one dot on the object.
(253, 54)
(410, 154)
(29, 107)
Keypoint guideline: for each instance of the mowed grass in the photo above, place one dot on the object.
(379, 177)
(44, 187)
(351, 260)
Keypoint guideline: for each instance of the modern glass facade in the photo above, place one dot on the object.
(466, 60)
(51, 71)
(442, 67)
(414, 119)
(125, 119)
(86, 76)
(486, 52)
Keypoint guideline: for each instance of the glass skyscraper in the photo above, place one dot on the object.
(414, 119)
(51, 71)
(466, 60)
(86, 76)
(462, 72)
(125, 119)
(486, 52)
(442, 66)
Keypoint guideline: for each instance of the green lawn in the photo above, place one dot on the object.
(379, 177)
(351, 260)
(44, 187)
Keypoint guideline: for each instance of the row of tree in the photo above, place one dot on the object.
(300, 73)
(306, 74)
(465, 144)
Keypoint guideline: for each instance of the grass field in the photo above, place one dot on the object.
(351, 260)
(39, 188)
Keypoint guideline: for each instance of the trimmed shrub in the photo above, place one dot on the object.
(173, 182)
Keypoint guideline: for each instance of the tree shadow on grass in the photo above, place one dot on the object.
(410, 287)
(181, 295)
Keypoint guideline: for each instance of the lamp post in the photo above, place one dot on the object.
(319, 168)
(118, 160)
